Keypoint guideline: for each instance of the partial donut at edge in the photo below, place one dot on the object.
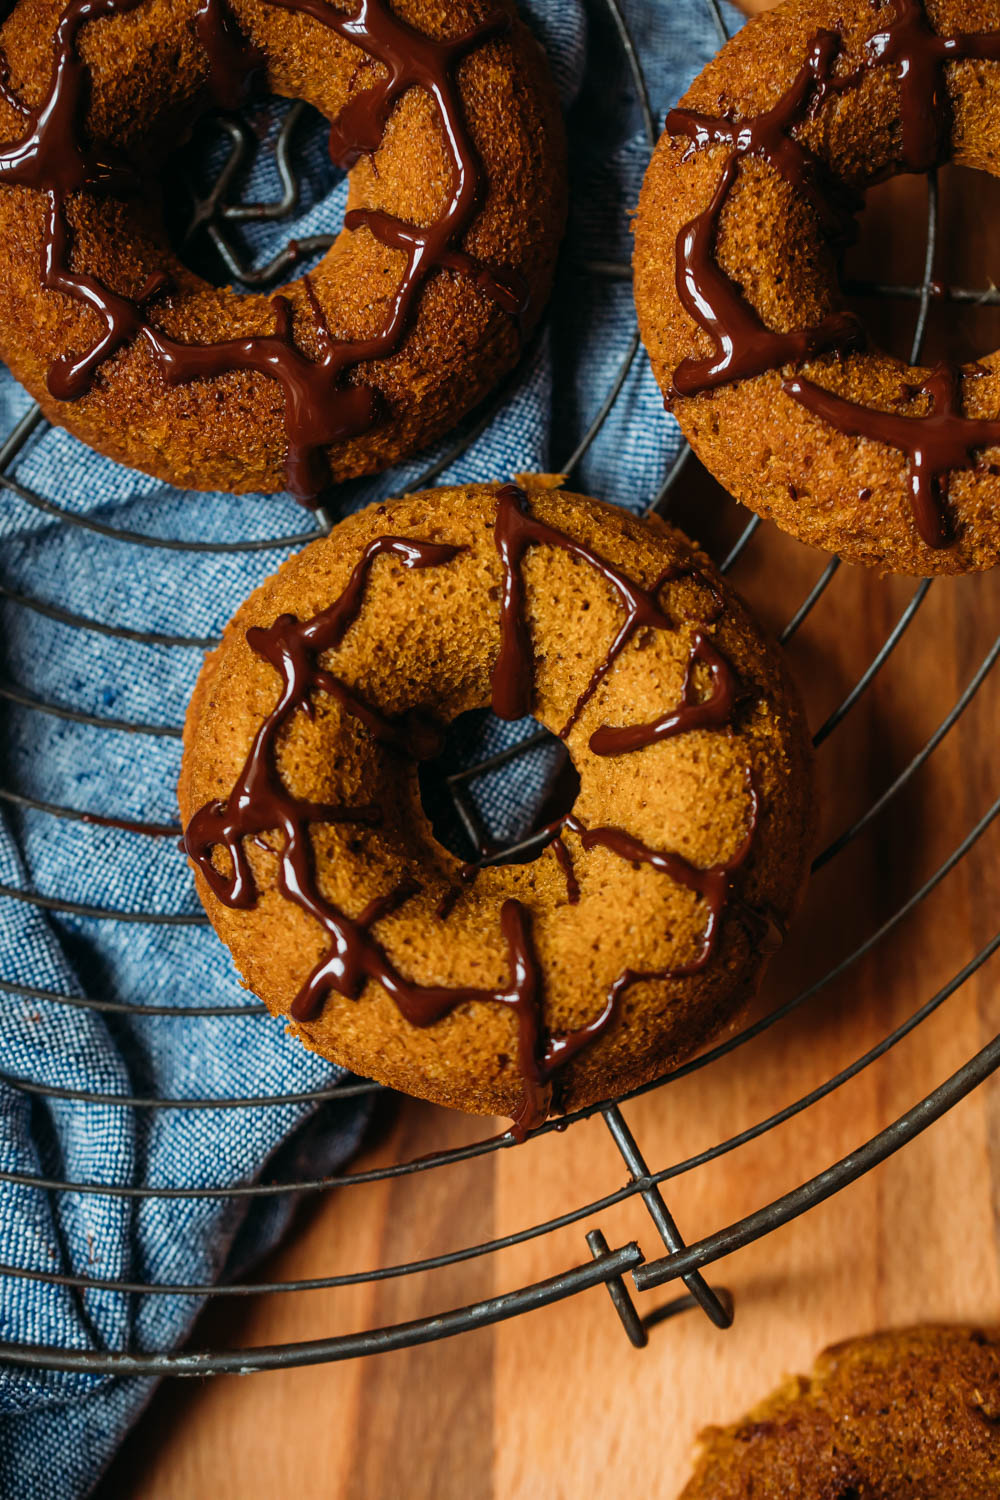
(846, 495)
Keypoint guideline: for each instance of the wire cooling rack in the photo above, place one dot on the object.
(215, 215)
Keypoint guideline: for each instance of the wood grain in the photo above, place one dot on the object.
(558, 1404)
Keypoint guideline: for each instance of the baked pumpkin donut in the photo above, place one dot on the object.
(643, 925)
(750, 193)
(909, 1415)
(448, 122)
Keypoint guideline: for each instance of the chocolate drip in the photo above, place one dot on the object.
(767, 135)
(515, 530)
(233, 61)
(414, 59)
(914, 49)
(565, 862)
(714, 884)
(933, 444)
(320, 407)
(52, 155)
(260, 802)
(71, 376)
(743, 345)
(713, 712)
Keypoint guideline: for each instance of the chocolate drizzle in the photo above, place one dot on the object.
(713, 712)
(320, 407)
(933, 444)
(261, 803)
(515, 530)
(52, 155)
(911, 45)
(713, 883)
(565, 862)
(414, 59)
(742, 346)
(513, 676)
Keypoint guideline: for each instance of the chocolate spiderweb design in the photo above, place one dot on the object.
(320, 408)
(743, 346)
(260, 802)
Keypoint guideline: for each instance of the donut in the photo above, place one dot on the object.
(498, 988)
(749, 198)
(908, 1415)
(447, 121)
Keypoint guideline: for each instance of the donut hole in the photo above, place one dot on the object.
(890, 250)
(268, 209)
(512, 780)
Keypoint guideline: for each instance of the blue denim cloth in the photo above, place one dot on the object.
(58, 1431)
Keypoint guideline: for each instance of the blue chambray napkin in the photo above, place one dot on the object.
(81, 537)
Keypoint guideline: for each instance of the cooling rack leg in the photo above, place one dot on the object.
(718, 1305)
(618, 1291)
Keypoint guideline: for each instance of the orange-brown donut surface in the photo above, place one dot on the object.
(746, 204)
(909, 1414)
(445, 116)
(498, 988)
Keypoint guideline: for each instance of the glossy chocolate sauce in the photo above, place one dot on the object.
(320, 408)
(911, 45)
(52, 155)
(693, 712)
(743, 346)
(260, 800)
(934, 444)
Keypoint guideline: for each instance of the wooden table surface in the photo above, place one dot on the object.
(557, 1403)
